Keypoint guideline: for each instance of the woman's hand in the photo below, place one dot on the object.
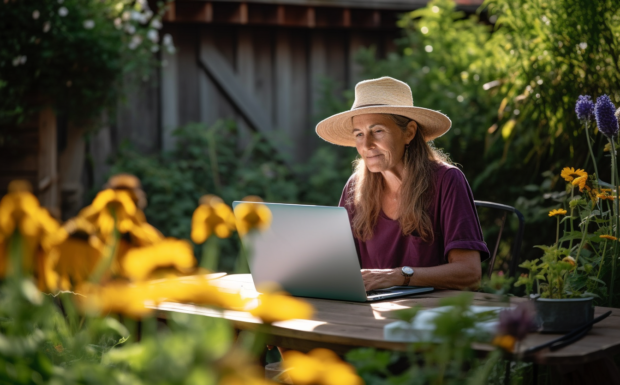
(382, 278)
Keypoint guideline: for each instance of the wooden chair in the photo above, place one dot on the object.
(504, 210)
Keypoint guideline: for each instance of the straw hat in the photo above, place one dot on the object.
(385, 95)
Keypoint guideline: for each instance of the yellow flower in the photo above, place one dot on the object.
(569, 259)
(569, 173)
(610, 237)
(506, 342)
(20, 211)
(109, 205)
(275, 307)
(75, 253)
(213, 216)
(140, 262)
(137, 299)
(581, 182)
(557, 212)
(319, 367)
(131, 184)
(132, 300)
(252, 215)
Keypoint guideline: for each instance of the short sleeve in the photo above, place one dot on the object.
(458, 217)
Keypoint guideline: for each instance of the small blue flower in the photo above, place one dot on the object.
(584, 108)
(605, 119)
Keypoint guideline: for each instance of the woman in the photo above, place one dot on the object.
(411, 212)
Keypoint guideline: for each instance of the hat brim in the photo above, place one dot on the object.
(338, 129)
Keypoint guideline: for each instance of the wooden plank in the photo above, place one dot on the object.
(70, 169)
(245, 73)
(187, 72)
(48, 161)
(137, 118)
(263, 46)
(299, 128)
(215, 65)
(169, 97)
(283, 83)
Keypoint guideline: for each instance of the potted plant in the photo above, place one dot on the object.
(574, 271)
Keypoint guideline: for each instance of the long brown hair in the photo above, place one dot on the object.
(416, 192)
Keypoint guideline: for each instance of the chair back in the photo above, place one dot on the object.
(503, 211)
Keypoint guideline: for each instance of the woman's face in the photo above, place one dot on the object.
(380, 142)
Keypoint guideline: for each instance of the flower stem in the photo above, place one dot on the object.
(210, 254)
(614, 176)
(584, 231)
(557, 233)
(600, 266)
(570, 243)
(591, 152)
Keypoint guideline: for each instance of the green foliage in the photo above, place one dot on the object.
(73, 54)
(207, 160)
(448, 359)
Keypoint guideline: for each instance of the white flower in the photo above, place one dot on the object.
(435, 9)
(47, 26)
(63, 11)
(126, 15)
(136, 40)
(156, 24)
(118, 23)
(35, 14)
(89, 24)
(167, 40)
(153, 35)
(460, 98)
(424, 30)
(147, 15)
(428, 48)
(139, 17)
(19, 60)
(583, 45)
(130, 29)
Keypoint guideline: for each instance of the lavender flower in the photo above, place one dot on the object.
(605, 119)
(584, 108)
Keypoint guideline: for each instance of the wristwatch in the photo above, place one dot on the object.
(407, 273)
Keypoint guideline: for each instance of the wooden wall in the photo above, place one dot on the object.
(267, 79)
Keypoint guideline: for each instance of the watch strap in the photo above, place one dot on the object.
(407, 279)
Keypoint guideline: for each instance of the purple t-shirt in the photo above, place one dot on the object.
(455, 225)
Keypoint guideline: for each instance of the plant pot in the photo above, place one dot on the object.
(563, 315)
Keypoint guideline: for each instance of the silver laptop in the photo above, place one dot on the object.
(309, 252)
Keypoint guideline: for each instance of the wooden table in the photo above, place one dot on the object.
(342, 326)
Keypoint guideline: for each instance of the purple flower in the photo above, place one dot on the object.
(605, 119)
(517, 322)
(584, 108)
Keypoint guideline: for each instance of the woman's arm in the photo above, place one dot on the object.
(462, 272)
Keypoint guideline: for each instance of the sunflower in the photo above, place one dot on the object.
(569, 173)
(252, 214)
(610, 237)
(555, 212)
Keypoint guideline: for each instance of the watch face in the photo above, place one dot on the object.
(407, 270)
